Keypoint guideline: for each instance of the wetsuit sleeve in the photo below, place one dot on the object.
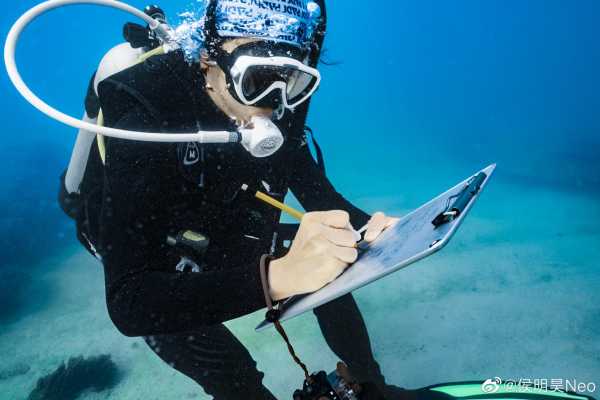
(316, 193)
(143, 296)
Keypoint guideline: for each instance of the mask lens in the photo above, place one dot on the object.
(259, 78)
(300, 86)
(293, 83)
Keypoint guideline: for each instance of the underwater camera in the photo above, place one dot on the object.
(321, 386)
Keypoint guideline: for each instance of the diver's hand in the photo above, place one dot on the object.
(377, 224)
(323, 248)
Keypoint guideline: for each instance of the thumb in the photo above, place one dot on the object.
(376, 225)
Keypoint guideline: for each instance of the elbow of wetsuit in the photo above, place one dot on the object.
(120, 319)
(121, 315)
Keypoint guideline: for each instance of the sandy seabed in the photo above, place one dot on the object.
(516, 295)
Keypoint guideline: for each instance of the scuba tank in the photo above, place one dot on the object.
(139, 40)
(81, 183)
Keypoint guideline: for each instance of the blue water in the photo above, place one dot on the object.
(420, 95)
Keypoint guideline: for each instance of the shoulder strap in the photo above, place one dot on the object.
(320, 159)
(161, 84)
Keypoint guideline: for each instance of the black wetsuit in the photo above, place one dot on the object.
(152, 191)
(155, 190)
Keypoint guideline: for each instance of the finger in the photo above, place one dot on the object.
(376, 226)
(345, 254)
(391, 222)
(339, 237)
(313, 215)
(336, 219)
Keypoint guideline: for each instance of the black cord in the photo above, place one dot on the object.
(273, 313)
(285, 337)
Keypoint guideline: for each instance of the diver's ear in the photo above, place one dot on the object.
(205, 61)
(204, 66)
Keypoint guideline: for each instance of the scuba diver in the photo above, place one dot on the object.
(181, 244)
(184, 247)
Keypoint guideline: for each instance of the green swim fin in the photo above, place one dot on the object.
(495, 390)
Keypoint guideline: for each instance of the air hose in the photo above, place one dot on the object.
(263, 141)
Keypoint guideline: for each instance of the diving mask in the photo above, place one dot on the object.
(265, 74)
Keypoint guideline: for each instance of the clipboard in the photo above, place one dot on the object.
(417, 235)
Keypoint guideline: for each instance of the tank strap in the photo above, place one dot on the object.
(100, 138)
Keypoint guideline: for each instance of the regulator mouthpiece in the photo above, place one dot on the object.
(263, 139)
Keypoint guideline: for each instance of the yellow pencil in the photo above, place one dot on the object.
(277, 204)
(295, 213)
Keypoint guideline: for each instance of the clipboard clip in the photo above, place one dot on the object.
(453, 210)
